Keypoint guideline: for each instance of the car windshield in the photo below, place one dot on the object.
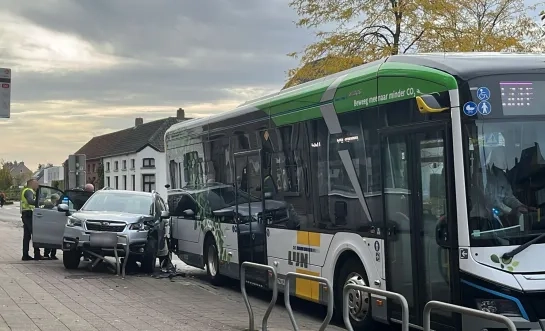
(119, 202)
(223, 197)
(506, 168)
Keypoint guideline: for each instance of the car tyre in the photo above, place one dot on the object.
(212, 262)
(149, 258)
(71, 259)
(352, 271)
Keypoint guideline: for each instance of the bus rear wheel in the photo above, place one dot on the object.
(359, 302)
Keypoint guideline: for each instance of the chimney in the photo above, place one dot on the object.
(138, 121)
(180, 114)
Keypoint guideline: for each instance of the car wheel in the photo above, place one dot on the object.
(71, 259)
(212, 262)
(149, 258)
(359, 303)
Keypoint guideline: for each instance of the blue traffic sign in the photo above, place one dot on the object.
(484, 108)
(483, 93)
(470, 108)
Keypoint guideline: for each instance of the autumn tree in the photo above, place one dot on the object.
(6, 181)
(352, 32)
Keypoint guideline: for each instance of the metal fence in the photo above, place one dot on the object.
(390, 295)
(464, 311)
(243, 268)
(321, 280)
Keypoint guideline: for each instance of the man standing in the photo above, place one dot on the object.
(28, 200)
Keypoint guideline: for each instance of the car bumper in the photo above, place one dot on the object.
(78, 237)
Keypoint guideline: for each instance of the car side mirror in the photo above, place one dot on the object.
(188, 213)
(63, 208)
(165, 214)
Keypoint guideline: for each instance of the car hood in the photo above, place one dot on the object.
(110, 216)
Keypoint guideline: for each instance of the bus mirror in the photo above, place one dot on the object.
(427, 103)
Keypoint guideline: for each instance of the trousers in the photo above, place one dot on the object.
(27, 233)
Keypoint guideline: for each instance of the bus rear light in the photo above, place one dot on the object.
(379, 302)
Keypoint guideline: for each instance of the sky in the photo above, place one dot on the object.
(85, 68)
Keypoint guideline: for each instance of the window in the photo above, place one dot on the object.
(148, 183)
(116, 179)
(107, 166)
(116, 165)
(148, 163)
(132, 164)
(124, 182)
(94, 167)
(133, 180)
(124, 165)
(88, 168)
(48, 197)
(108, 181)
(120, 202)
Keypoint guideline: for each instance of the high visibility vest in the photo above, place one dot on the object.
(24, 203)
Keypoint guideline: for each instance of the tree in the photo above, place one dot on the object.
(6, 181)
(42, 166)
(366, 30)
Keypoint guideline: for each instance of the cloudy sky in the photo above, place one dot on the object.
(85, 68)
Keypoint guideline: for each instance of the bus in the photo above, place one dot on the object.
(419, 174)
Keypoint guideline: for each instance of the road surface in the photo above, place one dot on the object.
(42, 295)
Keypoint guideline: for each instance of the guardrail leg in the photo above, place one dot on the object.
(391, 295)
(464, 311)
(243, 267)
(321, 280)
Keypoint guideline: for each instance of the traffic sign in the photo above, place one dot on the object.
(483, 93)
(470, 108)
(5, 92)
(484, 107)
(492, 139)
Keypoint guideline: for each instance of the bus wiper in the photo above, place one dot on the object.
(522, 247)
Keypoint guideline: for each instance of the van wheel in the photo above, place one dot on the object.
(149, 258)
(212, 261)
(359, 303)
(71, 259)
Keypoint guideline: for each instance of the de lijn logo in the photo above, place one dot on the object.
(508, 264)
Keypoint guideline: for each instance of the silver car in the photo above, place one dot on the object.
(141, 216)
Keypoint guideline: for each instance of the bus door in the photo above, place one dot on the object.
(418, 199)
(249, 209)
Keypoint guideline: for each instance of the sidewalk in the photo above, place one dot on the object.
(42, 295)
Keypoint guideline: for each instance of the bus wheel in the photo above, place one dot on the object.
(359, 303)
(212, 261)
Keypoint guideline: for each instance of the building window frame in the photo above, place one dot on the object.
(124, 165)
(148, 163)
(133, 179)
(148, 182)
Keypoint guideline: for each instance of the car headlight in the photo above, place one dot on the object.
(72, 221)
(499, 306)
(140, 226)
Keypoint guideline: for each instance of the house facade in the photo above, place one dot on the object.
(52, 174)
(19, 172)
(131, 159)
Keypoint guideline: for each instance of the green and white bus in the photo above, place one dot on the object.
(418, 174)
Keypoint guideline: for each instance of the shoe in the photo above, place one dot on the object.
(46, 257)
(54, 258)
(38, 257)
(27, 258)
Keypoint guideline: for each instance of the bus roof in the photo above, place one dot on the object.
(433, 67)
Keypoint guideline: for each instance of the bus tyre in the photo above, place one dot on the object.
(71, 259)
(359, 303)
(212, 261)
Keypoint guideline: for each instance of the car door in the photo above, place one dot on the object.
(162, 247)
(47, 222)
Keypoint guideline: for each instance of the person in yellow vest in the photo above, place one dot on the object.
(28, 200)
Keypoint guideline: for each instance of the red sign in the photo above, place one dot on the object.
(5, 85)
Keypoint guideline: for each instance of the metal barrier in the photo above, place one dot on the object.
(390, 295)
(245, 295)
(321, 280)
(464, 311)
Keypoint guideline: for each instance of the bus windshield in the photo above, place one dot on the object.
(506, 167)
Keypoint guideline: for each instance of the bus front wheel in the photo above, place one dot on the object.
(359, 303)
(211, 254)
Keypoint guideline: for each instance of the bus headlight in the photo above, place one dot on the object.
(72, 221)
(499, 306)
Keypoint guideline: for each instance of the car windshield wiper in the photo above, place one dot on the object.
(522, 247)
